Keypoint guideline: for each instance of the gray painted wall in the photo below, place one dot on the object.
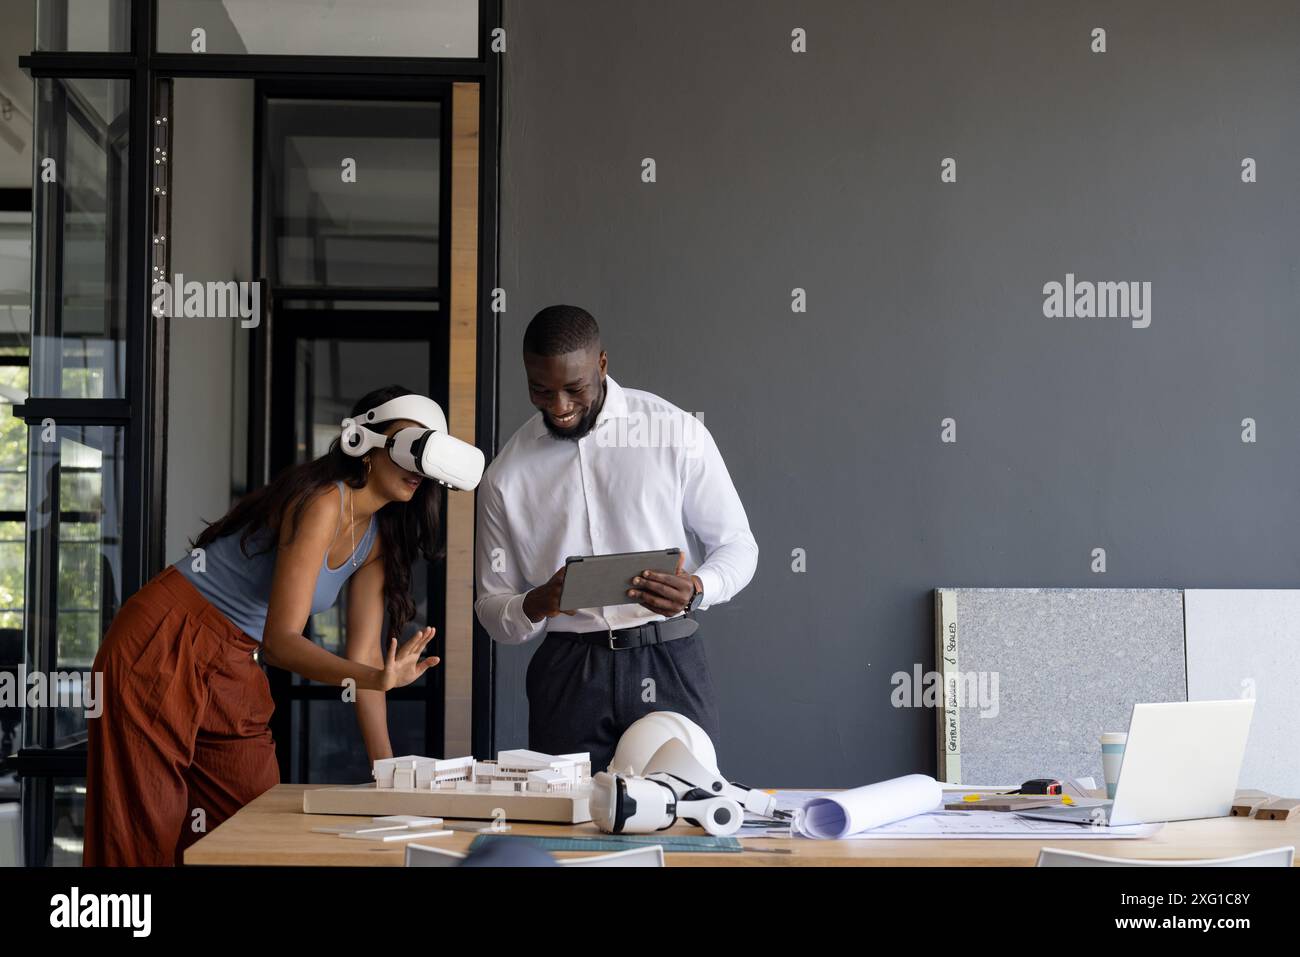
(925, 300)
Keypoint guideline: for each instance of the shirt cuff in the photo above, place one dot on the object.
(519, 624)
(712, 584)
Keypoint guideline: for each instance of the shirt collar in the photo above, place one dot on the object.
(615, 407)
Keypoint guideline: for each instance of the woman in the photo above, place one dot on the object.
(184, 739)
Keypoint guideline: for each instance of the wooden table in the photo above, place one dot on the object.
(272, 830)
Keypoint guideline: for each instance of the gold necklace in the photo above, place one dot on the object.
(352, 523)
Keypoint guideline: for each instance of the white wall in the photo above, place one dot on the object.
(212, 234)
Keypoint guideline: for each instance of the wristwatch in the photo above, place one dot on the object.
(696, 598)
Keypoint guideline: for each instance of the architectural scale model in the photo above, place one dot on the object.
(513, 772)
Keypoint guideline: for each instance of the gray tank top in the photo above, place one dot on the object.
(239, 585)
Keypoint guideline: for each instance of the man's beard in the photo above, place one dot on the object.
(583, 425)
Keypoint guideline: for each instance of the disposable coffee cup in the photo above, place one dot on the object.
(1112, 756)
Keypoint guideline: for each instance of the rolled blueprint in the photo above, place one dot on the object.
(860, 809)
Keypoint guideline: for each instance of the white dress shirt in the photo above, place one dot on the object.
(647, 476)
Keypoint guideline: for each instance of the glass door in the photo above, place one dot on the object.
(352, 227)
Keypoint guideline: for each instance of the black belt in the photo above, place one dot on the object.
(651, 633)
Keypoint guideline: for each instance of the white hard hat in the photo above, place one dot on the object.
(648, 734)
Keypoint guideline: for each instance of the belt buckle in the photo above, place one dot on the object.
(612, 645)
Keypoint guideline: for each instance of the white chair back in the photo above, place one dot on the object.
(1057, 857)
(652, 855)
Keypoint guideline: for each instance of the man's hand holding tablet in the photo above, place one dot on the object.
(652, 579)
(544, 600)
(663, 593)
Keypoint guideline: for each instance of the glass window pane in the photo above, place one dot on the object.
(15, 325)
(336, 752)
(13, 551)
(357, 305)
(79, 238)
(15, 279)
(69, 822)
(13, 436)
(84, 26)
(75, 540)
(380, 231)
(12, 491)
(375, 28)
(332, 374)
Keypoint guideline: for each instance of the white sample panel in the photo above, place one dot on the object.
(1244, 642)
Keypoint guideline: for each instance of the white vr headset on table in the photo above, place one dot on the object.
(429, 451)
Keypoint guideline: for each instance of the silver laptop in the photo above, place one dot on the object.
(1181, 762)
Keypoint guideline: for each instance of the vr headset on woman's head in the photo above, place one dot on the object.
(429, 451)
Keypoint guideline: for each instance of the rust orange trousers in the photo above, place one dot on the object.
(184, 739)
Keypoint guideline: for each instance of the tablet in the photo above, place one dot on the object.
(595, 581)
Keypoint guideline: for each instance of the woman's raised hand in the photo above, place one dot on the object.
(404, 665)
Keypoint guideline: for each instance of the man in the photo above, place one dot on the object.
(602, 469)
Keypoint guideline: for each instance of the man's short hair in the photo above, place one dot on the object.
(558, 330)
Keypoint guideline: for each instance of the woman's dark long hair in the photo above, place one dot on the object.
(407, 530)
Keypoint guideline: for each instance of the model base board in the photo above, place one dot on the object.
(367, 800)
